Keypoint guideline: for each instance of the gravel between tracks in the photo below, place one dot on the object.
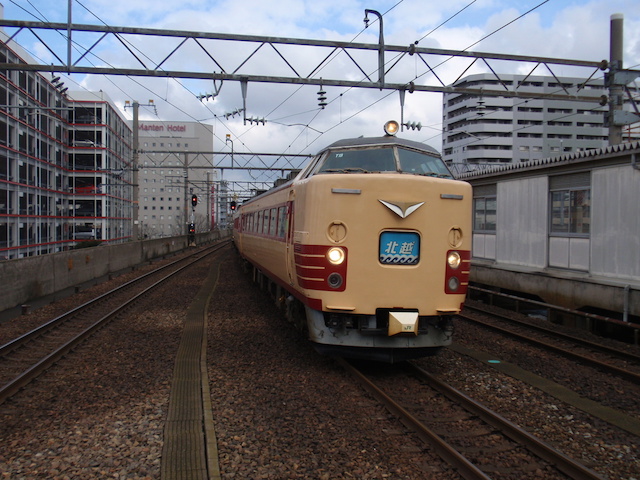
(609, 451)
(100, 412)
(280, 409)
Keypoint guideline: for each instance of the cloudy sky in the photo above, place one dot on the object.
(554, 28)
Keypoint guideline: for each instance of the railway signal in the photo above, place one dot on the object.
(194, 200)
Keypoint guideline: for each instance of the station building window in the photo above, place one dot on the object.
(570, 204)
(484, 208)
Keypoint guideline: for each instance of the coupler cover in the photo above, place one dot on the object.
(403, 322)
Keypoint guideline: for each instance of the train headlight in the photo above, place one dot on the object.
(454, 283)
(453, 259)
(335, 280)
(391, 127)
(336, 255)
(457, 272)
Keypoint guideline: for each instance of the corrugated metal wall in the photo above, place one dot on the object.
(522, 222)
(615, 234)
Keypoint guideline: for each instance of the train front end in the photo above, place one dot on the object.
(382, 241)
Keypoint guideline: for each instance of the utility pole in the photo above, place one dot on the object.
(135, 230)
(136, 193)
(381, 66)
(615, 90)
(186, 190)
(617, 80)
(69, 32)
(209, 211)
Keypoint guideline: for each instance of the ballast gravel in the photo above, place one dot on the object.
(280, 410)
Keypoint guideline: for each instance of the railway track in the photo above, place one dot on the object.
(24, 358)
(477, 442)
(616, 361)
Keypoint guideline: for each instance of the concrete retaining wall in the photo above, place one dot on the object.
(25, 279)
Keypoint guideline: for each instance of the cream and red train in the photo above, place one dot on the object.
(368, 248)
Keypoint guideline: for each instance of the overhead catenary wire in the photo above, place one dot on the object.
(441, 63)
(314, 119)
(146, 87)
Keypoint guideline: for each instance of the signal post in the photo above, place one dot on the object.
(192, 224)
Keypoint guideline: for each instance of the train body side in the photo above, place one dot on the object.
(265, 248)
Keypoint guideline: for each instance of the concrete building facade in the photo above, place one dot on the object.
(176, 163)
(65, 164)
(494, 130)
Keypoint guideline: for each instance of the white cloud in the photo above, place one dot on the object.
(576, 29)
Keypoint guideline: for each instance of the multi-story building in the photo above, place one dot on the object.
(65, 164)
(175, 163)
(100, 167)
(493, 129)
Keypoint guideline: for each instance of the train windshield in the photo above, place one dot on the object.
(386, 159)
(359, 161)
(412, 161)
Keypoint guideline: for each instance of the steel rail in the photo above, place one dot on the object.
(55, 322)
(20, 381)
(549, 307)
(466, 469)
(562, 462)
(629, 356)
(621, 372)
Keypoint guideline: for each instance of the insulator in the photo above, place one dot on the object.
(413, 125)
(322, 98)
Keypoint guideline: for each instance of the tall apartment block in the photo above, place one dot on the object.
(65, 164)
(493, 129)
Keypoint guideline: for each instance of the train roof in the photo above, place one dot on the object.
(385, 140)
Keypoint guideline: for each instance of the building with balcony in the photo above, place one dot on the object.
(65, 164)
(100, 170)
(496, 130)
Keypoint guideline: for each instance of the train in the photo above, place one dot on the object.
(367, 249)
